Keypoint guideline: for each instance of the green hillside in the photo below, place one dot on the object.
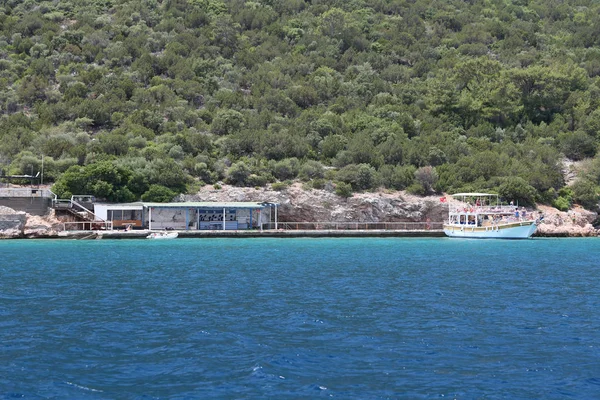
(147, 99)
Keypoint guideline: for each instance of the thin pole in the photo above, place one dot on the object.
(275, 216)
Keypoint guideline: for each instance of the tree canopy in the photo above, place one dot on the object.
(126, 98)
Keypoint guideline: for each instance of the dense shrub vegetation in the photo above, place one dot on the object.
(126, 99)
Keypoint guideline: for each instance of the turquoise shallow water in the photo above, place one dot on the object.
(300, 318)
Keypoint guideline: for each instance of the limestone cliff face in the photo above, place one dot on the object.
(42, 226)
(299, 205)
(19, 224)
(575, 222)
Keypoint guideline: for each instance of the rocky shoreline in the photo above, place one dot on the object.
(300, 205)
(574, 223)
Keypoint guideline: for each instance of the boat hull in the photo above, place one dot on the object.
(162, 236)
(517, 230)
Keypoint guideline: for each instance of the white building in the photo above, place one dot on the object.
(190, 215)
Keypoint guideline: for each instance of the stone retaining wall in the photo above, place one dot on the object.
(32, 205)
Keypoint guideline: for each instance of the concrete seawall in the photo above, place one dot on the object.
(32, 205)
(252, 234)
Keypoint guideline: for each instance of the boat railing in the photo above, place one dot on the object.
(499, 209)
(506, 219)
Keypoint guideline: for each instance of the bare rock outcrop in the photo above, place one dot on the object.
(45, 226)
(18, 224)
(573, 223)
(299, 205)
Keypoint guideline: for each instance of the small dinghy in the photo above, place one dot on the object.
(162, 235)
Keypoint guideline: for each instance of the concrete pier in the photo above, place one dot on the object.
(141, 234)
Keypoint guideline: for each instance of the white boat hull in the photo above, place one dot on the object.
(518, 230)
(162, 235)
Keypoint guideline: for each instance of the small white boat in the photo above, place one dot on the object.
(481, 216)
(162, 235)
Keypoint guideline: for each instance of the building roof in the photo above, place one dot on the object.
(121, 206)
(210, 204)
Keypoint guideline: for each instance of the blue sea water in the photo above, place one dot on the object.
(300, 319)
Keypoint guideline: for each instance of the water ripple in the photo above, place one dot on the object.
(345, 318)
